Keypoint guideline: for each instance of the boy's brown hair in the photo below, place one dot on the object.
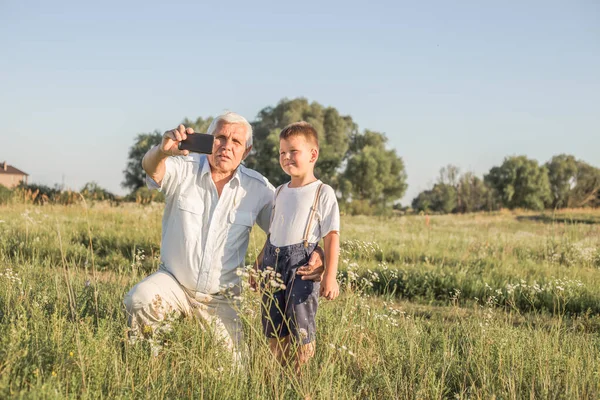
(303, 129)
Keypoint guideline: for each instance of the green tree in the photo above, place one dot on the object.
(454, 192)
(574, 183)
(520, 183)
(372, 172)
(93, 191)
(441, 198)
(134, 173)
(334, 131)
(586, 189)
(449, 175)
(423, 201)
(562, 175)
(472, 193)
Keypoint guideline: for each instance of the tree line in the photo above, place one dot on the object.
(367, 176)
(520, 182)
(370, 178)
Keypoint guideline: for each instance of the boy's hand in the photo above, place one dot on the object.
(329, 288)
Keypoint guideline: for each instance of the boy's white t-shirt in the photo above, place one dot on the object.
(292, 210)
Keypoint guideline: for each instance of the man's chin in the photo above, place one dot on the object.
(228, 166)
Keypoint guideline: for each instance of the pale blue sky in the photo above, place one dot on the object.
(466, 83)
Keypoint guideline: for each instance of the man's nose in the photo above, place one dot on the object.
(227, 144)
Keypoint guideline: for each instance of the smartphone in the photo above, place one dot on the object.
(198, 143)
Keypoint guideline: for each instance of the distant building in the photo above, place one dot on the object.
(10, 176)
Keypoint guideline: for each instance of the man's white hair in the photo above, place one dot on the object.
(231, 118)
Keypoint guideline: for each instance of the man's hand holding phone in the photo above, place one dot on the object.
(170, 141)
(176, 142)
(180, 141)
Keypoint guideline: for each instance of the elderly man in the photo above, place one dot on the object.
(212, 202)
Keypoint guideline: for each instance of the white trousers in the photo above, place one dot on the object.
(160, 296)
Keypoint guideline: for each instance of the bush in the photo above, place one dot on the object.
(92, 191)
(42, 194)
(144, 195)
(35, 194)
(5, 195)
(359, 207)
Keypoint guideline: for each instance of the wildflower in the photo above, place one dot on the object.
(147, 330)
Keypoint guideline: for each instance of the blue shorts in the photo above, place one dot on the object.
(291, 310)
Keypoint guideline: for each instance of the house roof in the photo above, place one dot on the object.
(10, 170)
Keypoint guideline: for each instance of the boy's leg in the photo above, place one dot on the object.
(275, 326)
(302, 308)
(298, 354)
(280, 348)
(305, 353)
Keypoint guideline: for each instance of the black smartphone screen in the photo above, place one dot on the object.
(198, 143)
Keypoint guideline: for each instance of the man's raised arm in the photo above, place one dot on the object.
(154, 160)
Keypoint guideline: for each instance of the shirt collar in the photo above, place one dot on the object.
(204, 166)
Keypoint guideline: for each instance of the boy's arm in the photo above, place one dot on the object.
(329, 286)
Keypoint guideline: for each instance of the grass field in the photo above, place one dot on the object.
(503, 305)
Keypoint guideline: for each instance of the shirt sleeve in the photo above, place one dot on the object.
(173, 172)
(329, 211)
(264, 215)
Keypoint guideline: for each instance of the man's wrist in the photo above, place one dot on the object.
(321, 253)
(161, 153)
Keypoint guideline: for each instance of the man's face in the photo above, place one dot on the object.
(229, 148)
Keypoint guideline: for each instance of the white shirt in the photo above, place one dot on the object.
(204, 236)
(292, 211)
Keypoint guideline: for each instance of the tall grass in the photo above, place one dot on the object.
(476, 306)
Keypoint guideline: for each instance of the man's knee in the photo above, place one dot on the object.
(138, 297)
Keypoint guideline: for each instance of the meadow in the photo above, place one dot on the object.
(491, 305)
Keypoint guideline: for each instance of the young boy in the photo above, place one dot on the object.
(305, 211)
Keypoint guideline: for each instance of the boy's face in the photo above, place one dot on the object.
(297, 156)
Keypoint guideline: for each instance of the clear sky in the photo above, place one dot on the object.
(465, 82)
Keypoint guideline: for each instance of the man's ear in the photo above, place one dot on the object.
(247, 152)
